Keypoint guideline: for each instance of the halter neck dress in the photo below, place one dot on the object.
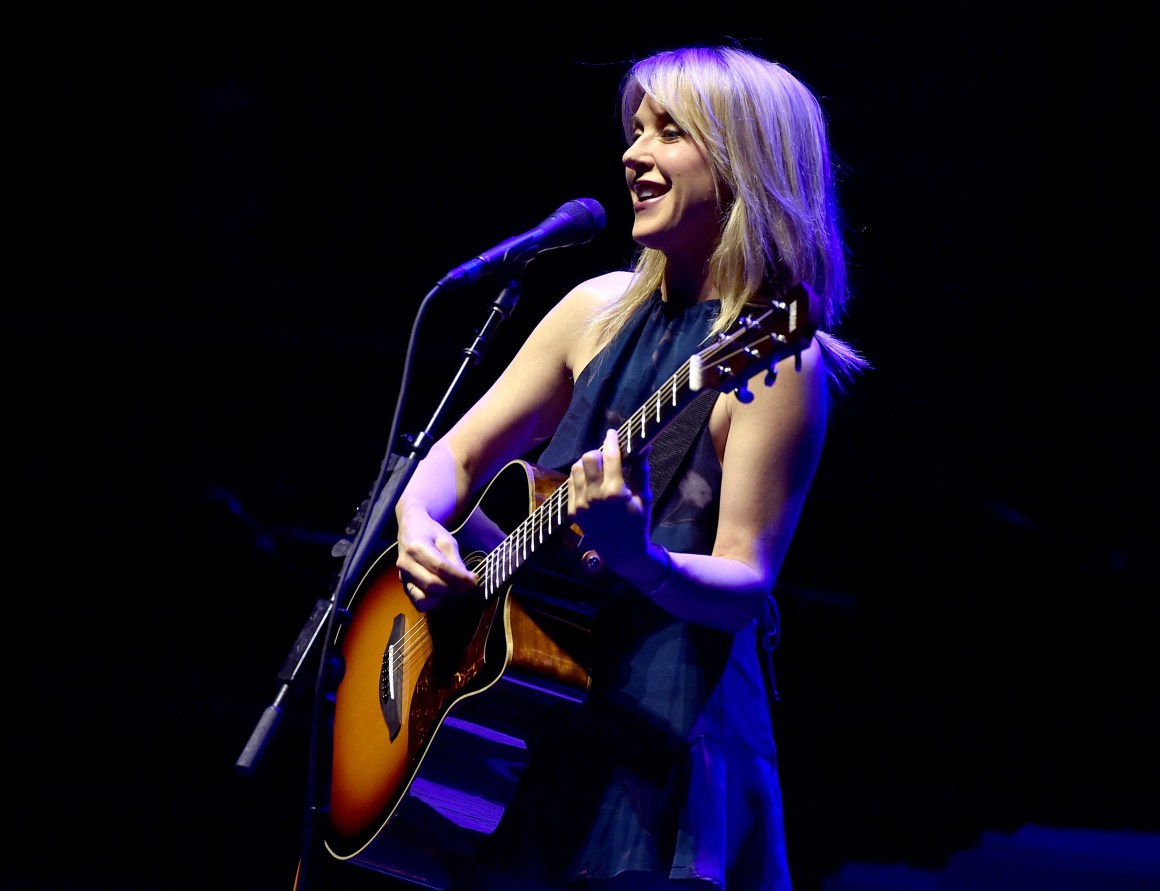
(669, 766)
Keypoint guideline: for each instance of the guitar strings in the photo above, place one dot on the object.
(500, 564)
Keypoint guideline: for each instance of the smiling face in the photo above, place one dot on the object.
(673, 196)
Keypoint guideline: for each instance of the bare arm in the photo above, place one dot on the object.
(520, 410)
(771, 449)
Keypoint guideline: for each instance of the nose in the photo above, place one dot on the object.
(634, 157)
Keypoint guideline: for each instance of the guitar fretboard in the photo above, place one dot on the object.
(552, 515)
(729, 360)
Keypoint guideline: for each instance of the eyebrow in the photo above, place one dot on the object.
(662, 116)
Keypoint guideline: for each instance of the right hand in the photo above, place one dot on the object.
(429, 564)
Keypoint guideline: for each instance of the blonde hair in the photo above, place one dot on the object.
(765, 136)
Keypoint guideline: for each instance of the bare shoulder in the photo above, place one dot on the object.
(794, 399)
(573, 315)
(595, 293)
(800, 380)
(609, 286)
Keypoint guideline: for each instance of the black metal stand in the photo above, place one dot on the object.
(373, 531)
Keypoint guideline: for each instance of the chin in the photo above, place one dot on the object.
(646, 236)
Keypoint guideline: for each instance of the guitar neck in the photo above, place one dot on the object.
(551, 516)
(772, 333)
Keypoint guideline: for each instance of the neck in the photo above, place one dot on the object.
(681, 286)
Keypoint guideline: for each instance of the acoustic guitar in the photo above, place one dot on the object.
(436, 712)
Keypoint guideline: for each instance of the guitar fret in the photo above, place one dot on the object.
(551, 516)
(756, 345)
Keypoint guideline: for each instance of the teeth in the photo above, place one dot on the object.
(645, 191)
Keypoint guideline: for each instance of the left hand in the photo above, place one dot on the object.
(615, 520)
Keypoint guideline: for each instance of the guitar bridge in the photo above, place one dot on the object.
(391, 677)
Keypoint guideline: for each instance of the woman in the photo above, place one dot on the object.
(666, 776)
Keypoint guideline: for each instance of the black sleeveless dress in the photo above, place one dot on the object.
(669, 766)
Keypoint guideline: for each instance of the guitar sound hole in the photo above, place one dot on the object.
(458, 640)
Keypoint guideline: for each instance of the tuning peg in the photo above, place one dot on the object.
(744, 394)
(771, 376)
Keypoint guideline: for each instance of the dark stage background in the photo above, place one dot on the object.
(221, 226)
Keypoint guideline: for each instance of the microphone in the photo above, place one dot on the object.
(576, 222)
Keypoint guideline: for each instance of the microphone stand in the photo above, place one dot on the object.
(370, 531)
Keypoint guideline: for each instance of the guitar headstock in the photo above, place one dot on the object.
(763, 336)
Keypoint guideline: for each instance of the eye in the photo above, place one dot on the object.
(672, 132)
